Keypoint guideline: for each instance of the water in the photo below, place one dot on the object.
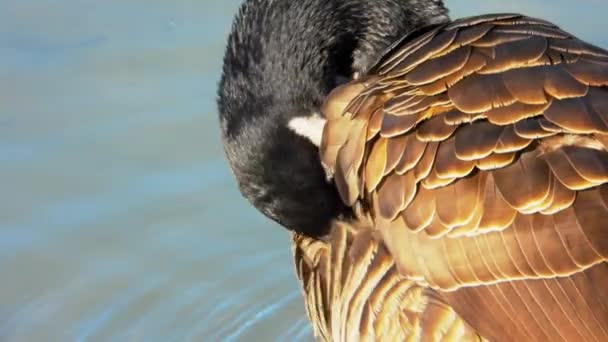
(119, 219)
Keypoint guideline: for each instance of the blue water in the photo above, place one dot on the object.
(119, 219)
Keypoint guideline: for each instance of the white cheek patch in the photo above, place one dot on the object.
(310, 127)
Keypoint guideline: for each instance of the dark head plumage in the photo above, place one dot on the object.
(282, 59)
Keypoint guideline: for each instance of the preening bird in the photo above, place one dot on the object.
(442, 180)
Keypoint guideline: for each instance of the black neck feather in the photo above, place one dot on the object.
(283, 57)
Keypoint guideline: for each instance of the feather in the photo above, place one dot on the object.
(481, 178)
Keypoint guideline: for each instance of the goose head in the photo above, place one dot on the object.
(282, 59)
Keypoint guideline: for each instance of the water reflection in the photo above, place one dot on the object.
(119, 218)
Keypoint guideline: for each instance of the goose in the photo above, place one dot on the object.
(442, 180)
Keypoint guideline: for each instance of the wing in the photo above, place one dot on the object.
(480, 149)
(353, 292)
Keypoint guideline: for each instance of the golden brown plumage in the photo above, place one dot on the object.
(476, 154)
(353, 291)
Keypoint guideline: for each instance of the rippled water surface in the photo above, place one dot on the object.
(119, 219)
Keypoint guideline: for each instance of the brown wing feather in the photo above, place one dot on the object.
(486, 173)
(353, 291)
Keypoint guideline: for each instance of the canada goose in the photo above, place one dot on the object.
(443, 180)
